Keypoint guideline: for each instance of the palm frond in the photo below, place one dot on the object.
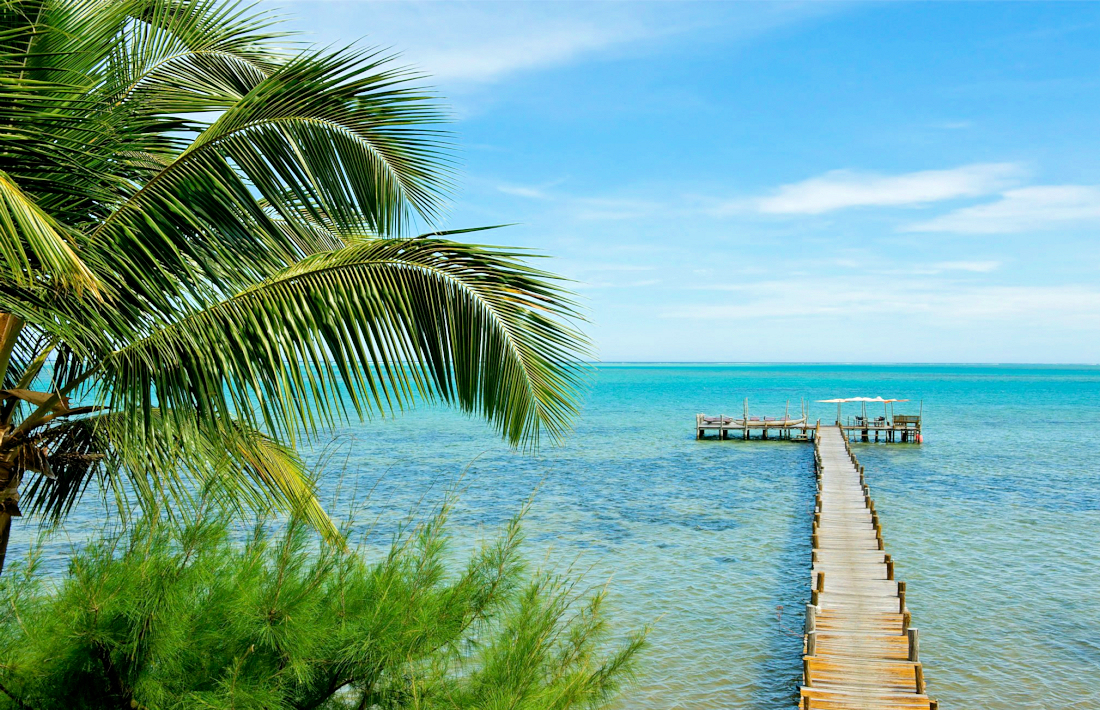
(382, 321)
(33, 246)
(192, 55)
(170, 461)
(338, 136)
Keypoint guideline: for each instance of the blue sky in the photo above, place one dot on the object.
(780, 182)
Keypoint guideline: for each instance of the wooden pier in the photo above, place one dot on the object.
(861, 653)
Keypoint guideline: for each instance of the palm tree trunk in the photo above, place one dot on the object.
(10, 326)
(5, 533)
(10, 478)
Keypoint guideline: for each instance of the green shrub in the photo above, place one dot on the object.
(183, 616)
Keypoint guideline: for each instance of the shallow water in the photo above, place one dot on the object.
(993, 521)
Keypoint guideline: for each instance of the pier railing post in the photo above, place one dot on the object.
(914, 644)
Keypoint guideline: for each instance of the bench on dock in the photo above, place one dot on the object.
(907, 420)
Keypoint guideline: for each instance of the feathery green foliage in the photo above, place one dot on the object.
(173, 616)
(206, 247)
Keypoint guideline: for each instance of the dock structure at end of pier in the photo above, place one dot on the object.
(889, 428)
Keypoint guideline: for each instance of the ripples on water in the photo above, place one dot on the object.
(993, 522)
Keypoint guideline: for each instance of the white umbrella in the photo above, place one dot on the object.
(838, 403)
(841, 400)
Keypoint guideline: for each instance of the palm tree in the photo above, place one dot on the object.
(205, 257)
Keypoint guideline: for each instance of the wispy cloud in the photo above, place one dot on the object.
(977, 267)
(953, 125)
(534, 193)
(945, 302)
(841, 189)
(588, 209)
(1037, 208)
(461, 42)
(477, 42)
(612, 208)
(605, 284)
(504, 48)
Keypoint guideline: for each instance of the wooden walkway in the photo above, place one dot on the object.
(861, 653)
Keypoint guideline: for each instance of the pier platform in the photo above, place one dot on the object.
(900, 429)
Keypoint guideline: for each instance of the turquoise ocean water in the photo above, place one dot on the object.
(994, 522)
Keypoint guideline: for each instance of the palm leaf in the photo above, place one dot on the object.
(33, 247)
(338, 137)
(169, 462)
(382, 321)
(196, 55)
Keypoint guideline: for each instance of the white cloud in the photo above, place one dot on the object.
(504, 50)
(1038, 208)
(587, 285)
(586, 208)
(840, 189)
(611, 208)
(930, 300)
(461, 42)
(533, 193)
(619, 267)
(476, 42)
(977, 267)
(953, 125)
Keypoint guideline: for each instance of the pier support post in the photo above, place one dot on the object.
(914, 644)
